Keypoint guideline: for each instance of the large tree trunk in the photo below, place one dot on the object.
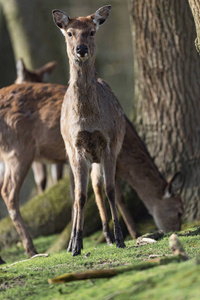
(167, 89)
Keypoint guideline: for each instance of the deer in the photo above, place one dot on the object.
(30, 131)
(39, 75)
(39, 169)
(92, 120)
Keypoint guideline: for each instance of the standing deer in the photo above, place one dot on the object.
(39, 75)
(29, 131)
(92, 121)
(39, 169)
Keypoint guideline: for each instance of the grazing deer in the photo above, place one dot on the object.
(92, 120)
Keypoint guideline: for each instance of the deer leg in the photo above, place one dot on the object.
(2, 172)
(1, 261)
(128, 219)
(15, 172)
(72, 186)
(97, 184)
(40, 175)
(109, 173)
(74, 223)
(57, 171)
(81, 173)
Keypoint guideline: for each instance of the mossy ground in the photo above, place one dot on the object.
(29, 279)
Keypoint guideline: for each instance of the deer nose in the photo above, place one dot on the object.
(82, 49)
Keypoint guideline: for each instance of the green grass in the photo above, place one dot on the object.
(29, 279)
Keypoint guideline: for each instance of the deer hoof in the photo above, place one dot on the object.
(2, 261)
(78, 244)
(109, 238)
(120, 244)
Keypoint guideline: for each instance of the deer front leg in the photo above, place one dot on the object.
(128, 219)
(97, 184)
(81, 173)
(109, 173)
(13, 179)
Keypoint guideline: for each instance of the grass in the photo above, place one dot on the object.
(29, 279)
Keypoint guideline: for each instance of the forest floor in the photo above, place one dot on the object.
(28, 278)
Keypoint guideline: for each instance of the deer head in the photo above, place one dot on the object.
(80, 32)
(38, 75)
(168, 214)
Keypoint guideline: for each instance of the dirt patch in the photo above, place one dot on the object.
(17, 281)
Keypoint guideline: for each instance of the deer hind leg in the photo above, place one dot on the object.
(109, 173)
(16, 168)
(2, 172)
(81, 173)
(1, 261)
(57, 171)
(128, 219)
(97, 184)
(40, 175)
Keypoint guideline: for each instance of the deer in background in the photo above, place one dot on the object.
(92, 120)
(39, 75)
(39, 169)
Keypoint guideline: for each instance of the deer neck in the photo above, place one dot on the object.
(83, 81)
(136, 166)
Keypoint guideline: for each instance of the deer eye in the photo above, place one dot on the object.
(92, 33)
(69, 33)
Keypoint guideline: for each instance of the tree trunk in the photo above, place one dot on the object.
(167, 90)
(7, 72)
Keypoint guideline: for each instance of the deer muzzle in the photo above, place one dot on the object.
(82, 51)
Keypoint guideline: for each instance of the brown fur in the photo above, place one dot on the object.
(39, 75)
(92, 121)
(30, 130)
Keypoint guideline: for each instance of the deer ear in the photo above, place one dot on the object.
(101, 15)
(174, 186)
(46, 69)
(60, 19)
(20, 67)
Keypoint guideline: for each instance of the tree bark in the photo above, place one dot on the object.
(167, 90)
(7, 74)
